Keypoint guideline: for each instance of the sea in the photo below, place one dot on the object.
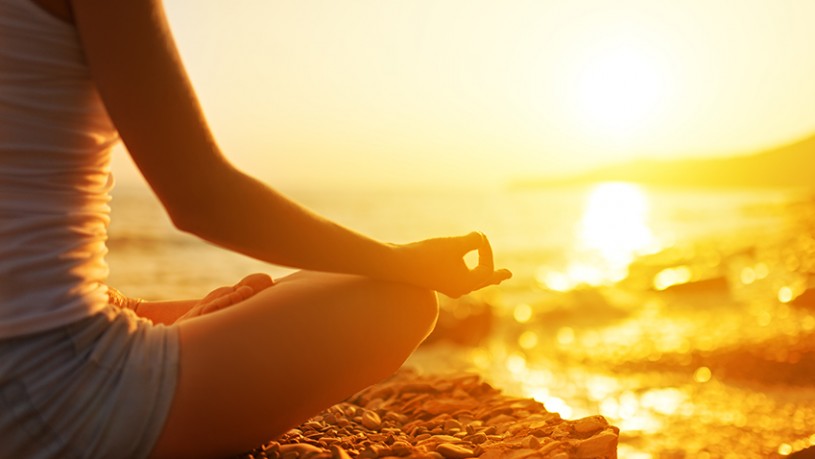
(684, 316)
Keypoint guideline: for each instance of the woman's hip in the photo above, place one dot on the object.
(99, 387)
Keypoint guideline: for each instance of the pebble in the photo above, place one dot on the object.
(300, 449)
(531, 442)
(401, 448)
(596, 446)
(451, 451)
(590, 424)
(371, 420)
(476, 438)
(338, 453)
(452, 424)
(441, 417)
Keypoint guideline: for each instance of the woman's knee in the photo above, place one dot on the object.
(421, 308)
(399, 315)
(399, 305)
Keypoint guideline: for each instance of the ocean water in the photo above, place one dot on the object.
(686, 317)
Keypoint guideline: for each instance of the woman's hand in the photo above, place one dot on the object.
(223, 297)
(171, 311)
(439, 264)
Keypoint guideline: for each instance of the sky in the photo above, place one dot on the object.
(382, 93)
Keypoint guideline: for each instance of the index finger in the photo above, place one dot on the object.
(485, 261)
(468, 243)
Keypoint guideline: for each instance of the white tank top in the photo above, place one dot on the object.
(55, 140)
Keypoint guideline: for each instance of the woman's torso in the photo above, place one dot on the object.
(55, 140)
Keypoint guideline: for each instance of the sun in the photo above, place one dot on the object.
(619, 90)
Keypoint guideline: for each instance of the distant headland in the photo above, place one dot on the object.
(788, 166)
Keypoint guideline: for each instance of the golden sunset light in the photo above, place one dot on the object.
(429, 93)
(578, 229)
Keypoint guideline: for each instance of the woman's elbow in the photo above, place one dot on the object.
(184, 222)
(188, 215)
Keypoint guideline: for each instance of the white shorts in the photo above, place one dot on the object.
(101, 387)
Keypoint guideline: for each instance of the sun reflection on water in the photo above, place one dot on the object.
(615, 223)
(613, 230)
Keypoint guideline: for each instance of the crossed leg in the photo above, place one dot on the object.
(253, 370)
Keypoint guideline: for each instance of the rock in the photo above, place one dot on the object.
(549, 447)
(451, 424)
(531, 442)
(501, 419)
(300, 448)
(476, 438)
(371, 420)
(445, 439)
(338, 453)
(522, 454)
(598, 446)
(452, 451)
(401, 448)
(590, 424)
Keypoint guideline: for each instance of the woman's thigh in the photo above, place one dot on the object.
(251, 371)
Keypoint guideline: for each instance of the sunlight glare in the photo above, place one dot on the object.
(615, 223)
(516, 363)
(785, 294)
(669, 277)
(611, 233)
(664, 401)
(702, 375)
(565, 336)
(522, 313)
(553, 404)
(528, 340)
(619, 90)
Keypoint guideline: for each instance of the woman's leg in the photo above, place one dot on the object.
(251, 371)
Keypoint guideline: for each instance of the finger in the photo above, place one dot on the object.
(470, 242)
(243, 292)
(216, 305)
(240, 294)
(217, 293)
(492, 278)
(485, 260)
(500, 276)
(257, 281)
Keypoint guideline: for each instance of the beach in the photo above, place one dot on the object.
(437, 417)
(685, 319)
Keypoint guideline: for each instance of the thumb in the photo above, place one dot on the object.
(494, 278)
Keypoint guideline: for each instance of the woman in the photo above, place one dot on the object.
(86, 372)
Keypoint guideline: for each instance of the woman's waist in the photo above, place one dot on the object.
(52, 192)
(38, 300)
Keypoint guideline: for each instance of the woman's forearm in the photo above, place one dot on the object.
(244, 215)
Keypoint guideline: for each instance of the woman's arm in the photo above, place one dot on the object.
(142, 81)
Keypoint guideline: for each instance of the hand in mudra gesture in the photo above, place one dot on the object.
(439, 264)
